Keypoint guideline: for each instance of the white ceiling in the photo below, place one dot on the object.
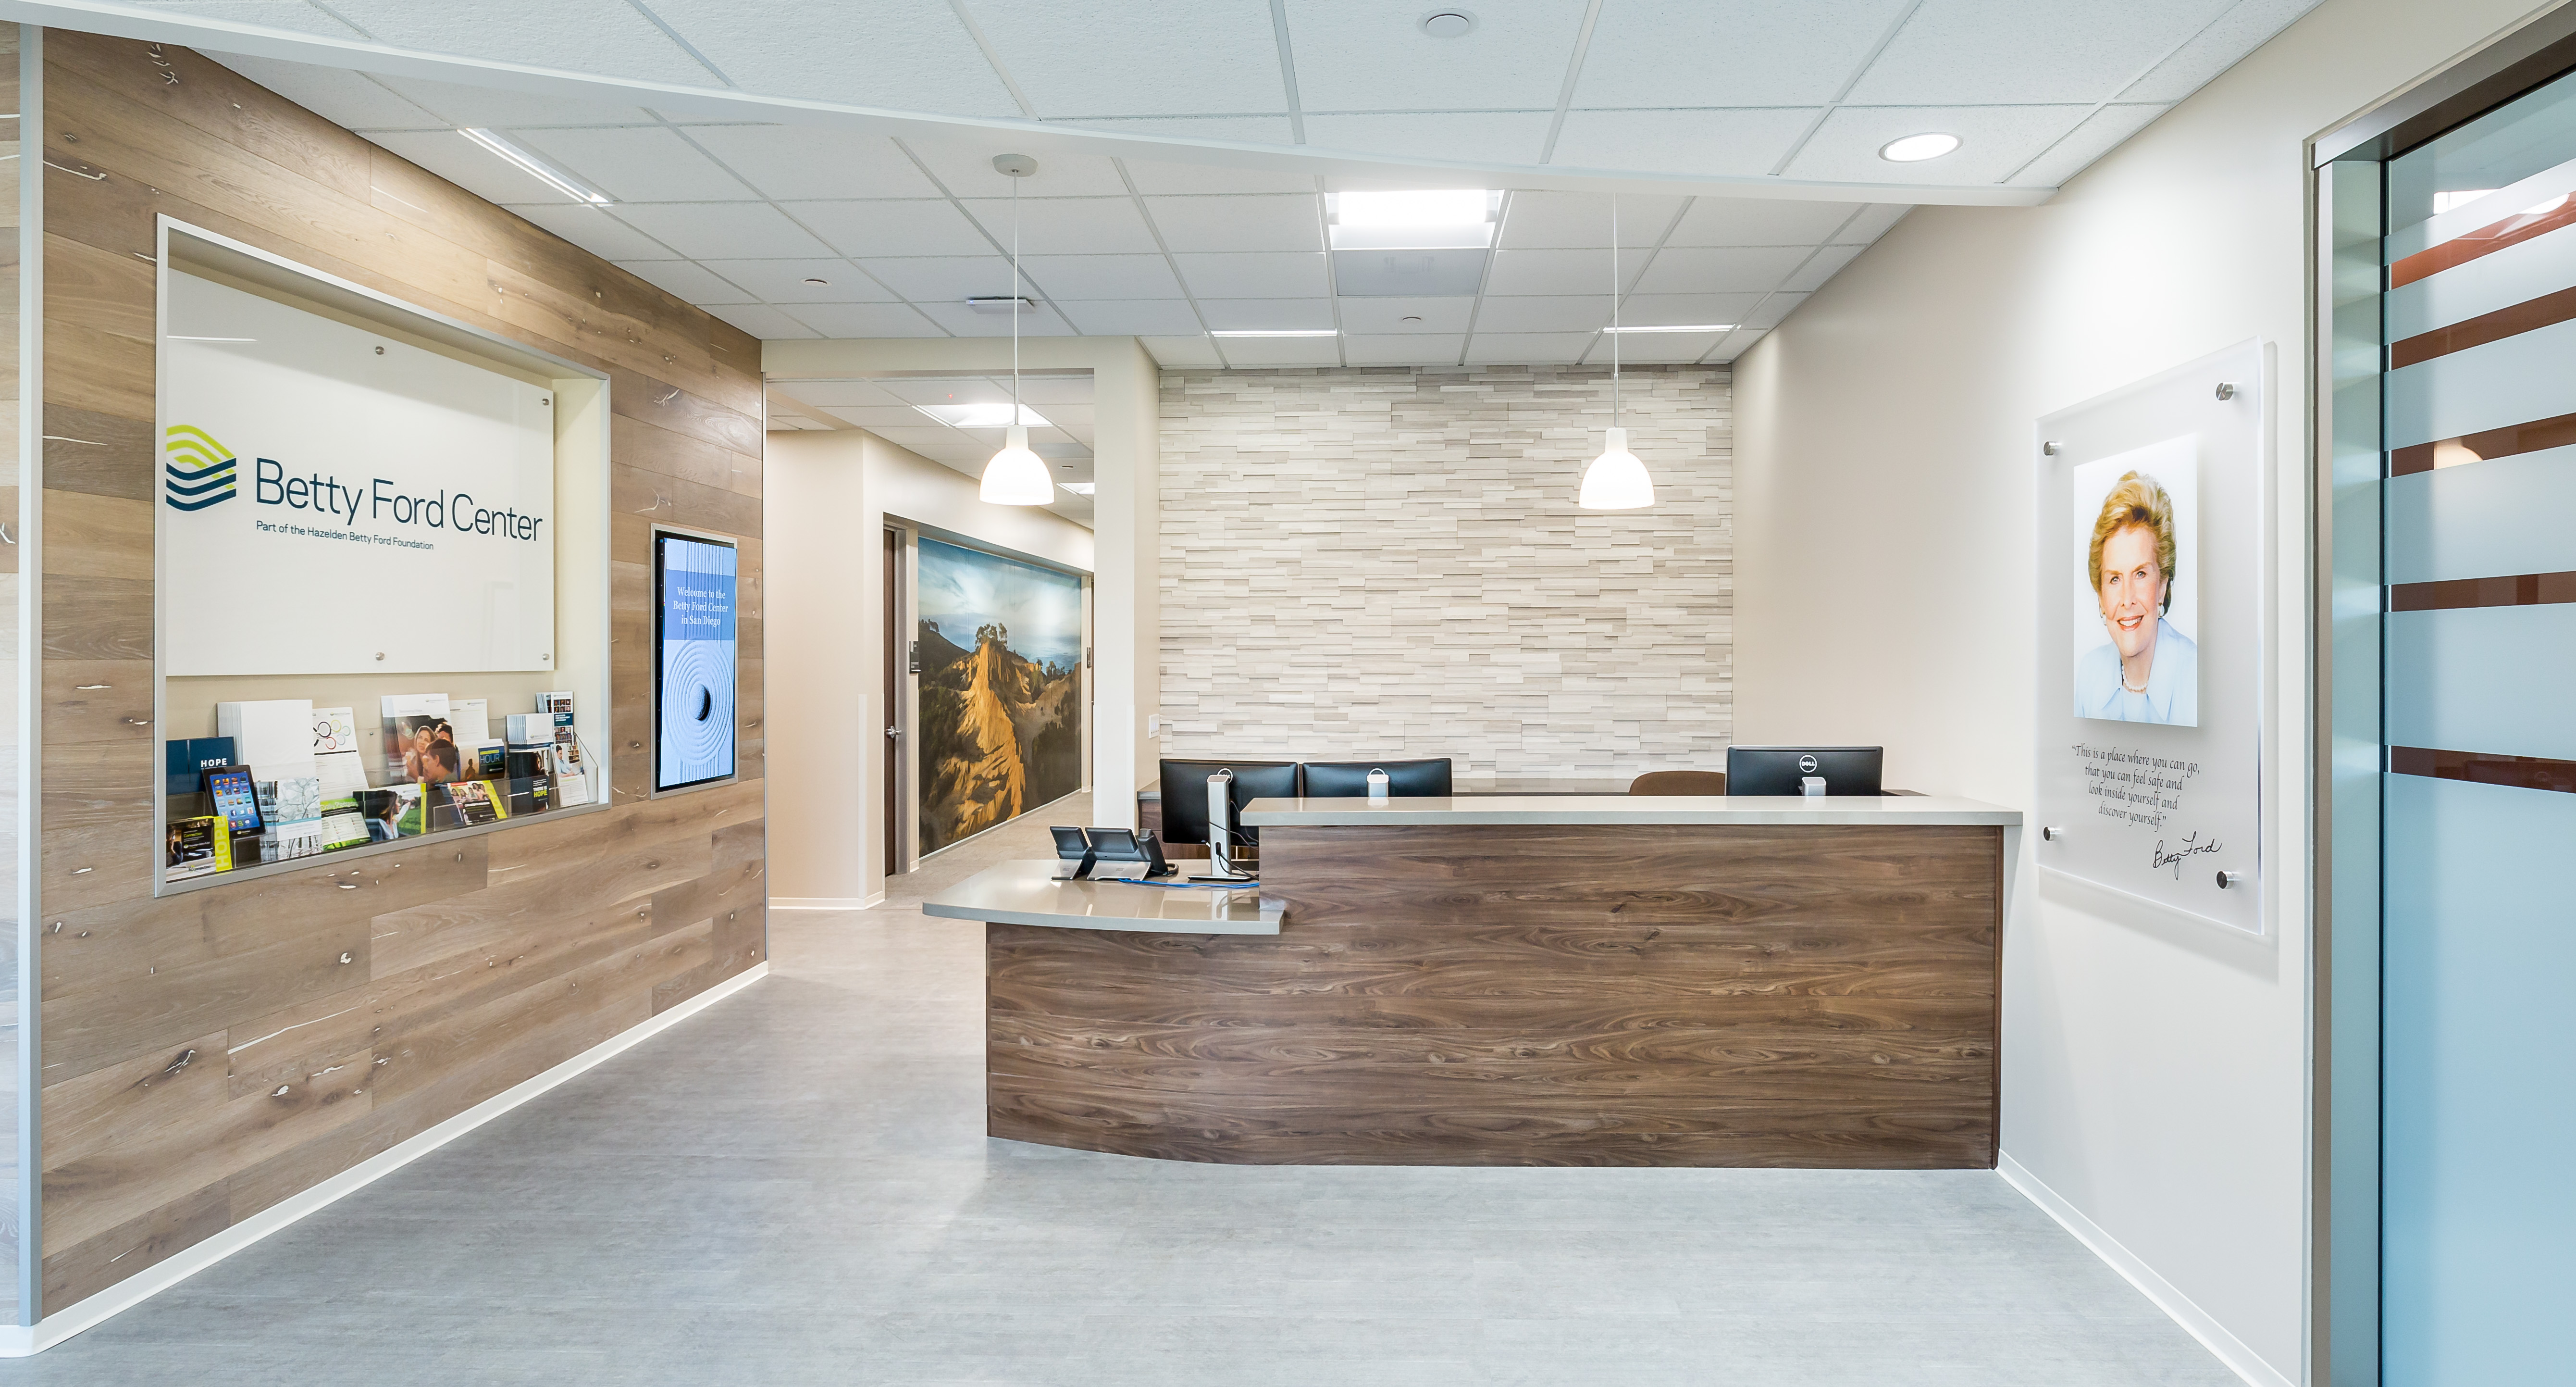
(886, 406)
(737, 215)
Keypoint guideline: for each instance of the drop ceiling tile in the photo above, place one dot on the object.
(1693, 142)
(1247, 315)
(1754, 221)
(638, 164)
(965, 168)
(1651, 310)
(1553, 313)
(1874, 221)
(1995, 141)
(1281, 351)
(1404, 349)
(469, 166)
(878, 418)
(783, 161)
(908, 57)
(937, 442)
(350, 99)
(1734, 343)
(761, 320)
(1130, 317)
(952, 278)
(1258, 275)
(1536, 220)
(1248, 222)
(1068, 225)
(947, 390)
(1827, 262)
(495, 108)
(1408, 274)
(864, 320)
(2103, 131)
(964, 321)
(595, 229)
(1528, 348)
(783, 281)
(1105, 60)
(2246, 26)
(1247, 129)
(1388, 316)
(1367, 55)
(1484, 137)
(713, 230)
(688, 279)
(910, 226)
(1773, 311)
(1157, 176)
(1720, 270)
(604, 36)
(2086, 51)
(1655, 348)
(1705, 53)
(836, 394)
(1175, 352)
(1070, 395)
(293, 15)
(1559, 272)
(1103, 276)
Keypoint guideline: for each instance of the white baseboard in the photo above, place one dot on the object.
(2199, 1323)
(19, 1341)
(825, 902)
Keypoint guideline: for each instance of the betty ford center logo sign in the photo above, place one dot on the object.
(196, 471)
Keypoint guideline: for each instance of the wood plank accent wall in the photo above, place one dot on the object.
(1683, 995)
(207, 1055)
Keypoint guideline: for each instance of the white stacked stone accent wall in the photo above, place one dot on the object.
(1388, 562)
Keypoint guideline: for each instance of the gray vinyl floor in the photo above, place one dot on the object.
(794, 1187)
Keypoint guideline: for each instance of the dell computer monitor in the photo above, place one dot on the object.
(1185, 801)
(1783, 770)
(1349, 779)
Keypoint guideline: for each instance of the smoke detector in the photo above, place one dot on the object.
(1447, 24)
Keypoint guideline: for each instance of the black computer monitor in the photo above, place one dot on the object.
(1185, 801)
(1349, 779)
(1781, 770)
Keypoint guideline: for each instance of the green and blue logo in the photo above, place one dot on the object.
(196, 470)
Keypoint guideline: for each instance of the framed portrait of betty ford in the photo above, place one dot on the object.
(2154, 637)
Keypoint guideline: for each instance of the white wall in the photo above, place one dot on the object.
(828, 496)
(2154, 1075)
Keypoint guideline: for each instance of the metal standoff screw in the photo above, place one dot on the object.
(2227, 390)
(2227, 879)
(2052, 833)
(2052, 447)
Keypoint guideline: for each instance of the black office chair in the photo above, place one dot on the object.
(1349, 779)
(1679, 783)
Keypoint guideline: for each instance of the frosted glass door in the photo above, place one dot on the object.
(2478, 1068)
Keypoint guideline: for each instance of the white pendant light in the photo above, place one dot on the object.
(1616, 480)
(1016, 476)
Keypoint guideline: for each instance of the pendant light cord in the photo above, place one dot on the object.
(1015, 301)
(1614, 310)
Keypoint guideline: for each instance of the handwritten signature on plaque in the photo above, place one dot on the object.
(2191, 847)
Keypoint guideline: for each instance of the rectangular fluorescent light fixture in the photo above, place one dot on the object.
(1077, 488)
(982, 416)
(535, 167)
(1279, 332)
(1429, 219)
(1000, 303)
(1673, 327)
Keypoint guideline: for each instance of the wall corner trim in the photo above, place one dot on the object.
(2199, 1323)
(20, 1341)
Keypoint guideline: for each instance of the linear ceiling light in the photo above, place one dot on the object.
(1278, 332)
(535, 167)
(1675, 327)
(996, 415)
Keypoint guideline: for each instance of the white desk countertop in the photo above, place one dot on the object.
(1629, 809)
(1027, 893)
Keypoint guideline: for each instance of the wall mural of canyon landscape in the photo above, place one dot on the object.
(1001, 702)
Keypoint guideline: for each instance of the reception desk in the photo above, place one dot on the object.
(1563, 980)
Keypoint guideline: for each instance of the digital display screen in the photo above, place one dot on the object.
(236, 798)
(694, 661)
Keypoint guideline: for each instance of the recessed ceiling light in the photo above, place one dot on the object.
(1672, 327)
(537, 168)
(1000, 303)
(1277, 332)
(1447, 24)
(996, 415)
(1914, 149)
(1077, 488)
(1417, 208)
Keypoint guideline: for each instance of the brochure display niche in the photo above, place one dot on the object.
(694, 660)
(2152, 640)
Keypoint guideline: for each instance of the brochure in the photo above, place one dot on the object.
(342, 825)
(197, 847)
(475, 803)
(420, 742)
(337, 756)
